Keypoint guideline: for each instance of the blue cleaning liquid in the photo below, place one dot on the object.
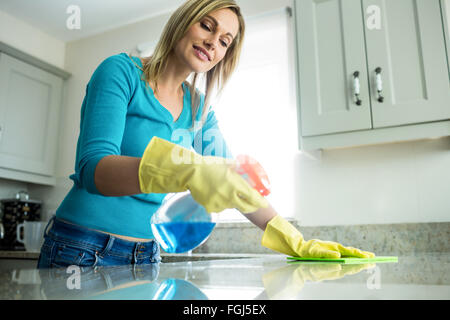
(181, 237)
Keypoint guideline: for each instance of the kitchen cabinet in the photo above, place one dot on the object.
(371, 71)
(30, 105)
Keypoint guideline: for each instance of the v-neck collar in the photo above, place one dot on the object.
(168, 114)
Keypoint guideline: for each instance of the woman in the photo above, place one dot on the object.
(128, 156)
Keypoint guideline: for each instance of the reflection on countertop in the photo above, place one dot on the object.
(423, 276)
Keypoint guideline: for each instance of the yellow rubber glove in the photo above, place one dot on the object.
(283, 237)
(168, 168)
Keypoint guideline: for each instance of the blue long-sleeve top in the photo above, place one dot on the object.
(119, 116)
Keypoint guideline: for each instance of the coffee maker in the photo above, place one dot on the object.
(13, 212)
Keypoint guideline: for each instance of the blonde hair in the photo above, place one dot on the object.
(191, 12)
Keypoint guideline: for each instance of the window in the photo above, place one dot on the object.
(257, 111)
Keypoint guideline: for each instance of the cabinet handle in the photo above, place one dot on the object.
(357, 88)
(379, 83)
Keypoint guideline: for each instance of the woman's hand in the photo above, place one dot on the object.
(283, 237)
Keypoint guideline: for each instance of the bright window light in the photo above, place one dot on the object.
(236, 294)
(257, 110)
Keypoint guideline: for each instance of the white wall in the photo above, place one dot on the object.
(27, 38)
(392, 183)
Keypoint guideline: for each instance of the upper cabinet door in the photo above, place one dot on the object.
(30, 100)
(330, 49)
(407, 59)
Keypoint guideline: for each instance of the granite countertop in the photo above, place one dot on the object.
(422, 276)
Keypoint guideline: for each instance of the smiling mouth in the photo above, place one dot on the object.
(202, 53)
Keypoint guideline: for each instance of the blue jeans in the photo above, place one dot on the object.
(66, 244)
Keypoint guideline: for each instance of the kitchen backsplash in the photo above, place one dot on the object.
(383, 239)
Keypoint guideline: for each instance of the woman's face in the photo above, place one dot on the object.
(206, 42)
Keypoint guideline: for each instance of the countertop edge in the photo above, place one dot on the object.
(35, 255)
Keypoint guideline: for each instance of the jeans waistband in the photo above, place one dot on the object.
(102, 242)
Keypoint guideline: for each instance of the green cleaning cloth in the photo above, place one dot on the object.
(345, 260)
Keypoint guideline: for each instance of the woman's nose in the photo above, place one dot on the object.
(211, 43)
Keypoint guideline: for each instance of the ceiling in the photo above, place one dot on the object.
(96, 16)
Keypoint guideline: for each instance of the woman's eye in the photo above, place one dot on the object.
(204, 26)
